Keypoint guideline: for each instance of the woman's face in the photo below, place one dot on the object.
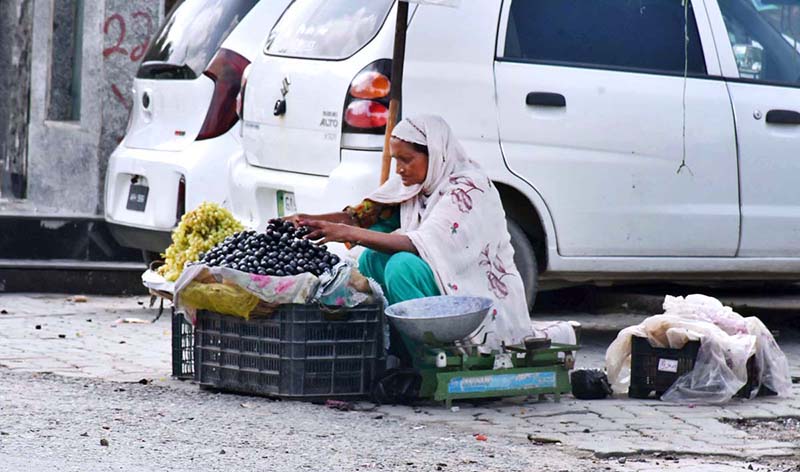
(410, 164)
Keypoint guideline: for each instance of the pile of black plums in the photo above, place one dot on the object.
(280, 250)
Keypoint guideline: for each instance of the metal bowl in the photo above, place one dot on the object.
(441, 319)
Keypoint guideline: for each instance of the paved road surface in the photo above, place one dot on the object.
(91, 393)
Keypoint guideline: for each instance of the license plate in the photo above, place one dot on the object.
(286, 204)
(137, 197)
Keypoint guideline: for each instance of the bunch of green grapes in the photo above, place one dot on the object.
(199, 230)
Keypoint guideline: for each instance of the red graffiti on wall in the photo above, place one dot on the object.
(122, 29)
(120, 97)
(138, 50)
(117, 48)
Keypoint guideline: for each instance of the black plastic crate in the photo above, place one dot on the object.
(182, 347)
(647, 376)
(655, 369)
(299, 352)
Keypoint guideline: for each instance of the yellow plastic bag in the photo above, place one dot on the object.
(220, 298)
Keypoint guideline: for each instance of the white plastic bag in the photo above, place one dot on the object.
(727, 342)
(155, 281)
(719, 370)
(771, 362)
(560, 332)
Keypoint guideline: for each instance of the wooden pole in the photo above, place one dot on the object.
(397, 85)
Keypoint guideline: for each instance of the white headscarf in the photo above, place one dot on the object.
(457, 223)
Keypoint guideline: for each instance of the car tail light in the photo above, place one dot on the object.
(366, 108)
(240, 95)
(226, 70)
(370, 85)
(366, 114)
(181, 205)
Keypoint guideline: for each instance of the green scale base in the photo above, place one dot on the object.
(448, 373)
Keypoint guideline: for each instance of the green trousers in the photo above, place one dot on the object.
(402, 276)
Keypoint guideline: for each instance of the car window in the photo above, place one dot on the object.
(765, 38)
(645, 35)
(327, 29)
(190, 37)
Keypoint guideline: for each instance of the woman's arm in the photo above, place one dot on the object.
(326, 232)
(338, 217)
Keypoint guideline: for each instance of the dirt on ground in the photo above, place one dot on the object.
(778, 429)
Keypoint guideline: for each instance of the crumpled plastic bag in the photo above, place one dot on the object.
(561, 332)
(702, 307)
(155, 281)
(720, 370)
(589, 384)
(220, 298)
(727, 342)
(346, 287)
(771, 362)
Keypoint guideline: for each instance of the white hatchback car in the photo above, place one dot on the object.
(629, 140)
(183, 126)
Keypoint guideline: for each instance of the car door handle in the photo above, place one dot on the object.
(546, 99)
(783, 117)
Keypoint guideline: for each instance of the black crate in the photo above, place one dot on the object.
(182, 347)
(647, 377)
(300, 352)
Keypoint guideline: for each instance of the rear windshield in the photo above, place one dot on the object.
(190, 37)
(327, 29)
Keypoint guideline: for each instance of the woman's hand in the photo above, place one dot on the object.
(326, 232)
(296, 218)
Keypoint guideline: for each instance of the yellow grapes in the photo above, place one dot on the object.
(199, 230)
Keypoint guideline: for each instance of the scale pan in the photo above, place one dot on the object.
(441, 319)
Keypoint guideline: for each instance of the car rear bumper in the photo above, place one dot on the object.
(145, 239)
(254, 190)
(201, 166)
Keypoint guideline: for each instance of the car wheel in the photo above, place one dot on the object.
(525, 260)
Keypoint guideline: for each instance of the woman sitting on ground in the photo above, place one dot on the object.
(437, 228)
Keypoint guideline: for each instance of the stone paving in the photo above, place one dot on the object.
(622, 427)
(86, 340)
(83, 339)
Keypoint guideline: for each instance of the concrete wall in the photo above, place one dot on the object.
(67, 156)
(16, 33)
(122, 54)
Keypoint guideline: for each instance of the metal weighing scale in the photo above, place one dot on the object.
(436, 329)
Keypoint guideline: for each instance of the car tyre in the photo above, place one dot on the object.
(525, 260)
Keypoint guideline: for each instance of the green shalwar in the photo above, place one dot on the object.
(403, 275)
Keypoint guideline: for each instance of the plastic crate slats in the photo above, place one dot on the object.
(182, 347)
(250, 345)
(268, 347)
(299, 352)
(646, 377)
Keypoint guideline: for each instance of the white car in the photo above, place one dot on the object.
(617, 155)
(183, 126)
